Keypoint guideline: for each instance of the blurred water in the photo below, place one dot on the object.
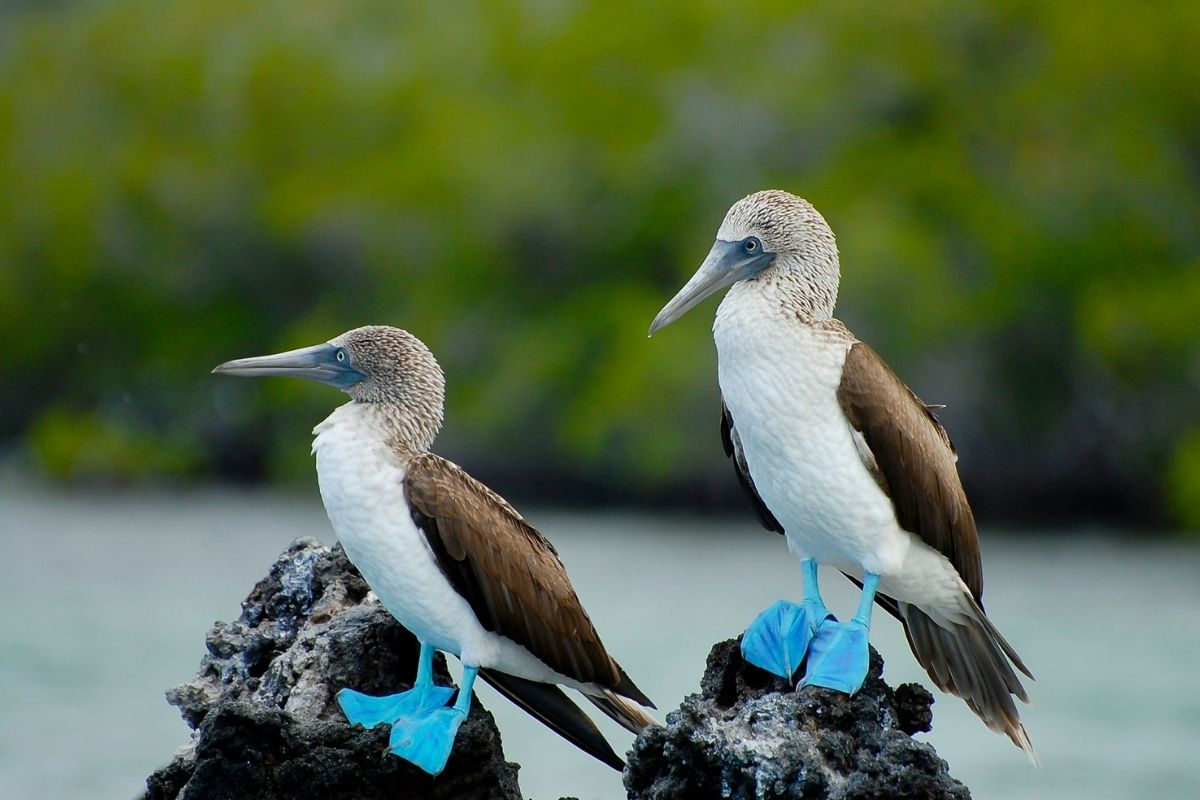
(106, 600)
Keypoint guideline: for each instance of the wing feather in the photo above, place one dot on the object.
(508, 572)
(914, 461)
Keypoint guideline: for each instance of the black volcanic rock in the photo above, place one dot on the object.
(263, 709)
(267, 725)
(750, 735)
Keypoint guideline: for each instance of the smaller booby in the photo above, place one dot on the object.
(447, 557)
(841, 457)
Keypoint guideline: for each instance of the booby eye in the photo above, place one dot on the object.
(341, 355)
(751, 245)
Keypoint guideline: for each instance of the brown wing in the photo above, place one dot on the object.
(733, 449)
(508, 572)
(914, 461)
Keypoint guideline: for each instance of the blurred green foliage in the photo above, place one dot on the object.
(1016, 187)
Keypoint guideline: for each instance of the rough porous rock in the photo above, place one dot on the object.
(749, 734)
(266, 721)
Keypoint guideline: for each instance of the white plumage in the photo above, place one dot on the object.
(779, 380)
(361, 481)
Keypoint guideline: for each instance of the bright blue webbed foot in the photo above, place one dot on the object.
(779, 637)
(428, 740)
(423, 728)
(839, 656)
(368, 711)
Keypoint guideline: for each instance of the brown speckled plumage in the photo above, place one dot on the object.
(402, 374)
(806, 257)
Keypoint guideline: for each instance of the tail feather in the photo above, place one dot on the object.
(970, 658)
(622, 711)
(547, 703)
(626, 687)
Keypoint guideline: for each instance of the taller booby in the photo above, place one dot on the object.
(447, 557)
(841, 457)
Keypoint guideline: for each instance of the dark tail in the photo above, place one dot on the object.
(549, 705)
(972, 660)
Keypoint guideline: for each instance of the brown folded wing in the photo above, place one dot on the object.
(914, 461)
(508, 572)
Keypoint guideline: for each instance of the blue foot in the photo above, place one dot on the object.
(779, 637)
(428, 740)
(368, 711)
(423, 728)
(839, 656)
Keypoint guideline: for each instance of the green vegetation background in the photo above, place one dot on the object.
(1015, 185)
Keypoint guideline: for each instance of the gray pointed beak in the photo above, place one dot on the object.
(326, 363)
(726, 264)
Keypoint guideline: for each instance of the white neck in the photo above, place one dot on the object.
(381, 426)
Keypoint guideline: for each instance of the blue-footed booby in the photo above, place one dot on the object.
(446, 556)
(841, 457)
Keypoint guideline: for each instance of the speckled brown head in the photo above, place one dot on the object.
(375, 364)
(771, 236)
(396, 366)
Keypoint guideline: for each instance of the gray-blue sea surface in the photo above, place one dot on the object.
(106, 600)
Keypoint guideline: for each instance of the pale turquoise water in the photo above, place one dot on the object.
(105, 601)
